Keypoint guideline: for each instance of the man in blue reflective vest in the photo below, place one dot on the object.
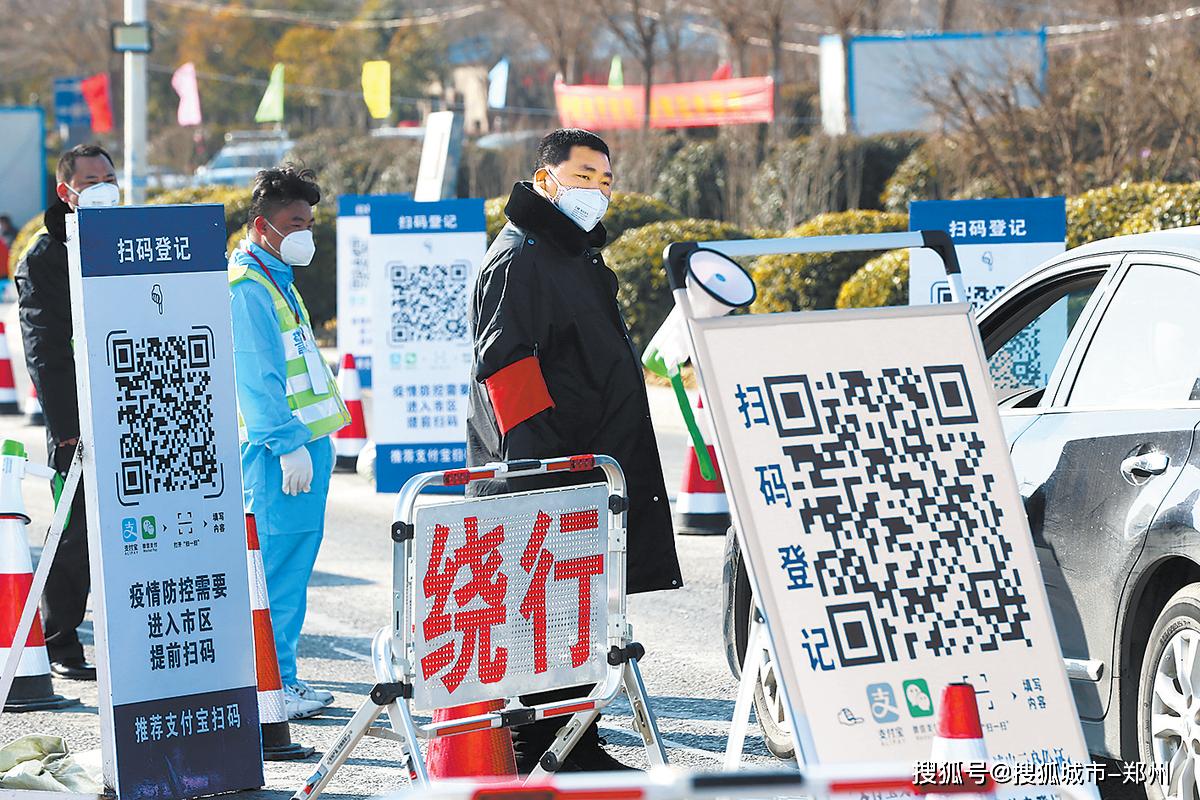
(288, 405)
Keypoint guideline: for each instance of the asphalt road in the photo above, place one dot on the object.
(349, 600)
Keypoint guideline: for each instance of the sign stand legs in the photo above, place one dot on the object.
(643, 719)
(391, 693)
(384, 696)
(49, 548)
(758, 647)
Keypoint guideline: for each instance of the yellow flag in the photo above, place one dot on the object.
(377, 88)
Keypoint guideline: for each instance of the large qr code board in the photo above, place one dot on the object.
(880, 517)
(428, 302)
(164, 413)
(870, 460)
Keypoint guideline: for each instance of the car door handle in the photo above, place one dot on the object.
(1141, 468)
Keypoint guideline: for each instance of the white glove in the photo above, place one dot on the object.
(297, 471)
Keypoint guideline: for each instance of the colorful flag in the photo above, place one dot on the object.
(97, 95)
(377, 88)
(498, 84)
(616, 76)
(270, 109)
(723, 72)
(183, 81)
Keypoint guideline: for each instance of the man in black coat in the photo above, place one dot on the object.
(556, 374)
(85, 178)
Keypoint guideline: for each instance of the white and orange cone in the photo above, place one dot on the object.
(959, 741)
(33, 407)
(272, 709)
(350, 440)
(8, 386)
(33, 689)
(701, 508)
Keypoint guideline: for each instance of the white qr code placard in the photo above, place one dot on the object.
(423, 258)
(162, 479)
(881, 519)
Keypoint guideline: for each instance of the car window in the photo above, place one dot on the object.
(1024, 361)
(1144, 352)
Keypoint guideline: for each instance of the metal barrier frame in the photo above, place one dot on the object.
(392, 649)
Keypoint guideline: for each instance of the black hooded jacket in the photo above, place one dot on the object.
(44, 296)
(544, 302)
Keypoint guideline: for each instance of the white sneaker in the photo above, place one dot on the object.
(309, 693)
(298, 707)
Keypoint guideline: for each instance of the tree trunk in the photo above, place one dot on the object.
(777, 127)
(647, 82)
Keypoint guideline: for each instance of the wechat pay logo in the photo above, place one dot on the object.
(916, 694)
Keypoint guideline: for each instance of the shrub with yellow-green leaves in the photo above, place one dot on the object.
(1177, 207)
(813, 280)
(1101, 213)
(882, 281)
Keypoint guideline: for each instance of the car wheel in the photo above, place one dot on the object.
(1169, 698)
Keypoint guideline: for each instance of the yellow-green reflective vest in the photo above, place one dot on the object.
(322, 414)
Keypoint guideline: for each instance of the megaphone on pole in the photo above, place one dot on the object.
(716, 285)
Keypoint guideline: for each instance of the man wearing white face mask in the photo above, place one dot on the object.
(556, 375)
(86, 179)
(288, 406)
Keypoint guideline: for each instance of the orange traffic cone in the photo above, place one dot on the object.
(701, 507)
(485, 753)
(8, 386)
(959, 739)
(349, 441)
(272, 710)
(33, 689)
(33, 407)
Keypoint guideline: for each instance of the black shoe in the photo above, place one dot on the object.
(590, 756)
(75, 669)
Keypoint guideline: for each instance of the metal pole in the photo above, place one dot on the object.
(135, 112)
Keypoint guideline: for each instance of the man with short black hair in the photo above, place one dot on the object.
(86, 179)
(556, 374)
(288, 405)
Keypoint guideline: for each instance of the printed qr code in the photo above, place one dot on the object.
(165, 415)
(1018, 365)
(902, 535)
(429, 302)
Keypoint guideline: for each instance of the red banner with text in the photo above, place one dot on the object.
(736, 101)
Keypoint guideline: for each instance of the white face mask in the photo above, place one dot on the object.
(297, 248)
(98, 195)
(585, 207)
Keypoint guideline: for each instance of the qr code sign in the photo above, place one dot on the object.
(165, 415)
(900, 534)
(429, 302)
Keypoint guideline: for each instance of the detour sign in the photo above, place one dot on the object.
(511, 595)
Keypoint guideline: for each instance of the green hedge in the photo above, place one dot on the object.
(915, 179)
(797, 282)
(694, 181)
(882, 281)
(1101, 213)
(636, 258)
(1175, 206)
(627, 210)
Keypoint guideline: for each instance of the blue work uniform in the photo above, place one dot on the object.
(289, 528)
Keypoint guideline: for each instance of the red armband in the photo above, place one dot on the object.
(518, 392)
